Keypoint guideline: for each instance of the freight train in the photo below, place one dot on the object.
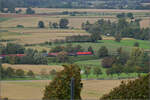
(47, 54)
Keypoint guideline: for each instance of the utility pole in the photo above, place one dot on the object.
(72, 88)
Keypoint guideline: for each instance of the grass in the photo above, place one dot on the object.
(33, 90)
(2, 19)
(126, 44)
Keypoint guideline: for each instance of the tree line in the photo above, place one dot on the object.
(119, 29)
(7, 73)
(100, 4)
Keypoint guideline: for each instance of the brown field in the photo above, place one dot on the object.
(51, 10)
(33, 90)
(35, 68)
(145, 23)
(33, 21)
(35, 35)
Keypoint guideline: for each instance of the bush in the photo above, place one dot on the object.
(20, 26)
(30, 11)
(107, 62)
(133, 89)
(41, 24)
(102, 52)
(30, 73)
(136, 44)
(19, 73)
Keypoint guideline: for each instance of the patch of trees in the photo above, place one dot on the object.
(60, 86)
(63, 24)
(68, 48)
(7, 73)
(122, 28)
(30, 11)
(133, 89)
(31, 56)
(12, 48)
(122, 62)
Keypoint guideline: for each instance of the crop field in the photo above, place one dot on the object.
(35, 36)
(35, 68)
(75, 22)
(52, 10)
(33, 90)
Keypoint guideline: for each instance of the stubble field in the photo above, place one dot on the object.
(33, 90)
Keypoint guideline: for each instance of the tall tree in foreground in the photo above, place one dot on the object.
(135, 89)
(59, 88)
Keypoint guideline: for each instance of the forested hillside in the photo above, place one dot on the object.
(100, 4)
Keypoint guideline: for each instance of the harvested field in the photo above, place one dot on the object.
(35, 68)
(75, 22)
(51, 10)
(145, 23)
(35, 35)
(33, 90)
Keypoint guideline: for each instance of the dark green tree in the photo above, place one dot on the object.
(63, 23)
(97, 71)
(30, 73)
(30, 11)
(90, 49)
(102, 52)
(20, 73)
(41, 24)
(59, 88)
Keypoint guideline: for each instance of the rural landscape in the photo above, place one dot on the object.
(74, 49)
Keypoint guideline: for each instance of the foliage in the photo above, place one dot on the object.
(62, 57)
(102, 52)
(121, 28)
(133, 89)
(30, 73)
(107, 62)
(136, 44)
(100, 4)
(59, 88)
(97, 71)
(87, 71)
(20, 73)
(30, 11)
(41, 24)
(63, 23)
(90, 49)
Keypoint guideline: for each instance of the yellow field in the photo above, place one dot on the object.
(33, 90)
(75, 22)
(50, 10)
(35, 35)
(35, 68)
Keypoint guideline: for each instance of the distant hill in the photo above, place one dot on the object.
(137, 89)
(100, 4)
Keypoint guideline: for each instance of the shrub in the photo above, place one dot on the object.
(102, 52)
(107, 62)
(20, 26)
(30, 73)
(19, 73)
(41, 24)
(30, 11)
(136, 44)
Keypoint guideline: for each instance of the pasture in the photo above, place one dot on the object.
(33, 90)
